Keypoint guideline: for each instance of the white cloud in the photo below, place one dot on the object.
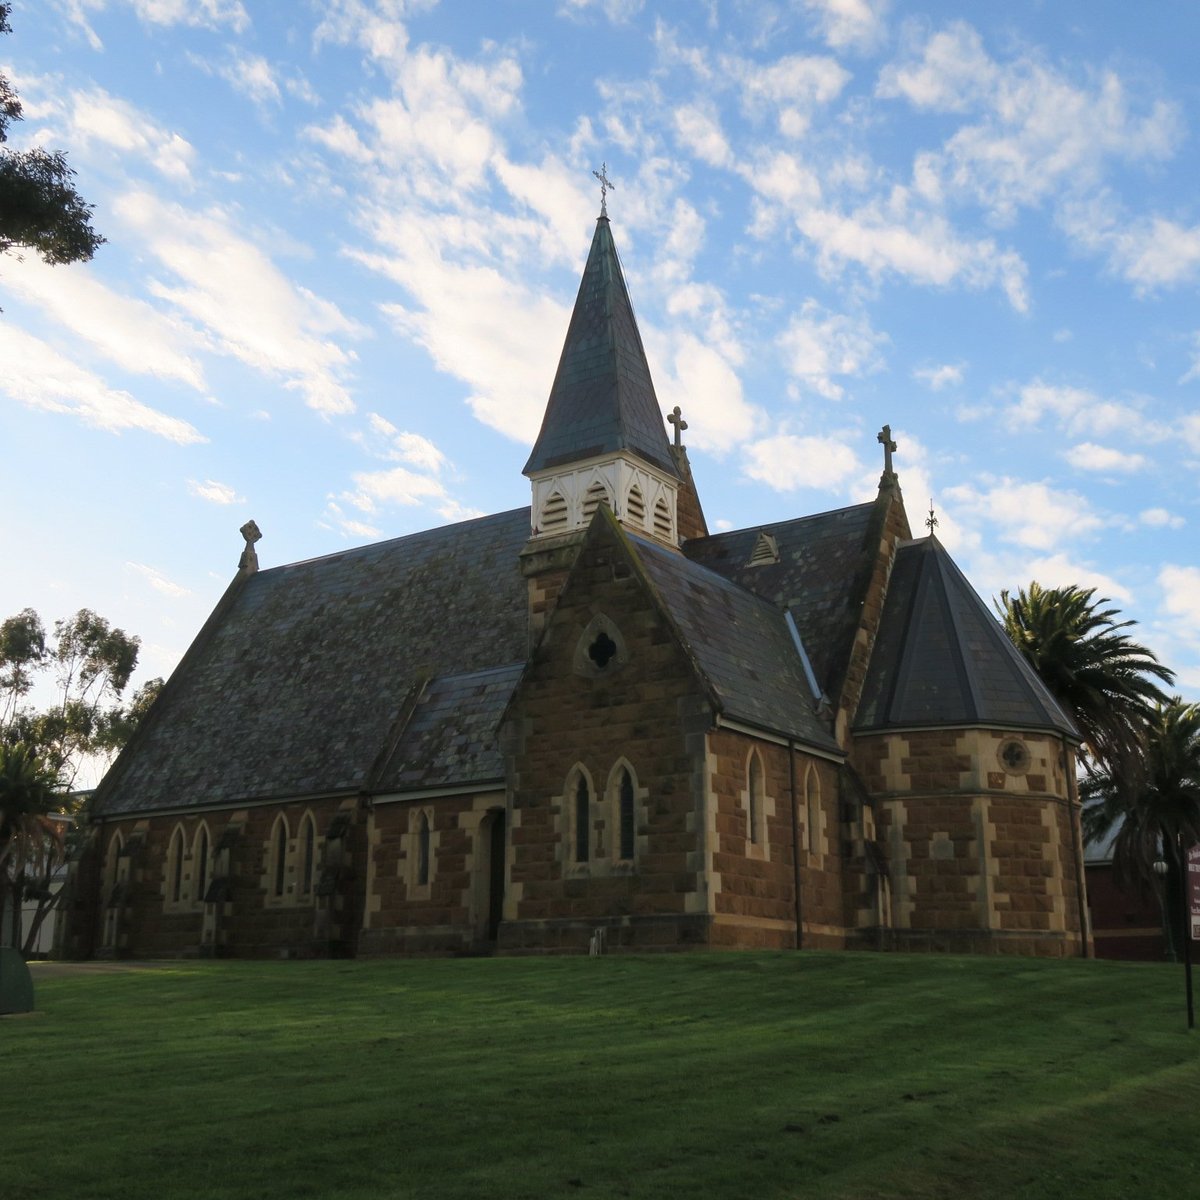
(699, 130)
(214, 492)
(130, 333)
(252, 76)
(822, 347)
(617, 11)
(38, 376)
(97, 116)
(1189, 427)
(1080, 412)
(947, 375)
(1059, 570)
(695, 375)
(158, 581)
(787, 462)
(1039, 133)
(1160, 518)
(921, 247)
(790, 88)
(1088, 456)
(1034, 515)
(203, 14)
(850, 24)
(253, 312)
(1181, 594)
(1149, 252)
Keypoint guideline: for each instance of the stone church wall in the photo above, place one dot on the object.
(572, 719)
(443, 907)
(982, 853)
(753, 879)
(154, 901)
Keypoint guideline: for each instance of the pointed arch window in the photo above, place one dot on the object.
(755, 801)
(812, 806)
(554, 513)
(279, 847)
(423, 850)
(175, 854)
(200, 860)
(308, 843)
(582, 819)
(112, 865)
(626, 816)
(596, 495)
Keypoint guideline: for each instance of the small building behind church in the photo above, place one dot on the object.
(592, 722)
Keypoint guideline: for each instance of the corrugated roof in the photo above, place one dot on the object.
(298, 686)
(942, 658)
(740, 642)
(820, 559)
(603, 397)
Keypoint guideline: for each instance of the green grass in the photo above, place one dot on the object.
(737, 1075)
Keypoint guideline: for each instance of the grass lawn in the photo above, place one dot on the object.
(733, 1075)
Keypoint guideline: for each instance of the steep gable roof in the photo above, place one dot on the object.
(821, 558)
(741, 644)
(603, 397)
(941, 657)
(299, 684)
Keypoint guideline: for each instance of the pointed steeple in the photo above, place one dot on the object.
(603, 400)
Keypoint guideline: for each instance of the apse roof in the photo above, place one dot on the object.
(602, 400)
(942, 658)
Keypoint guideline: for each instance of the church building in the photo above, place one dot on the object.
(593, 724)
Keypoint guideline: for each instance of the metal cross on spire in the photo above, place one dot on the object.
(675, 417)
(606, 185)
(931, 521)
(884, 437)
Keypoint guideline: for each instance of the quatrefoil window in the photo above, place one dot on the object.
(602, 650)
(1014, 756)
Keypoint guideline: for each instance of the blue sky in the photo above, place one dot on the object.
(344, 238)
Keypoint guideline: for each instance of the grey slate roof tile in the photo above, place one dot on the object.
(603, 397)
(740, 642)
(451, 735)
(942, 658)
(299, 685)
(819, 560)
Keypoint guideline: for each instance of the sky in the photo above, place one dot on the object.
(343, 241)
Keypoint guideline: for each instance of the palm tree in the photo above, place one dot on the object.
(1161, 815)
(1101, 676)
(29, 790)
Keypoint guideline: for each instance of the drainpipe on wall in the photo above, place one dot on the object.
(1077, 846)
(795, 844)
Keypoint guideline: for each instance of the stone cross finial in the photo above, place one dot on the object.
(884, 437)
(249, 560)
(606, 186)
(675, 417)
(931, 521)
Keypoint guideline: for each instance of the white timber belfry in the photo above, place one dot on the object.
(643, 498)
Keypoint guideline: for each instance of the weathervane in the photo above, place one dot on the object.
(931, 521)
(884, 437)
(606, 185)
(675, 417)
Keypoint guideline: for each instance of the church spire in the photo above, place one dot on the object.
(602, 401)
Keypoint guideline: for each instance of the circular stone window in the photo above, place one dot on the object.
(1014, 756)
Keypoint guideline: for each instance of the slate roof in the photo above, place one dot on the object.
(820, 560)
(740, 643)
(942, 658)
(603, 397)
(451, 734)
(297, 685)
